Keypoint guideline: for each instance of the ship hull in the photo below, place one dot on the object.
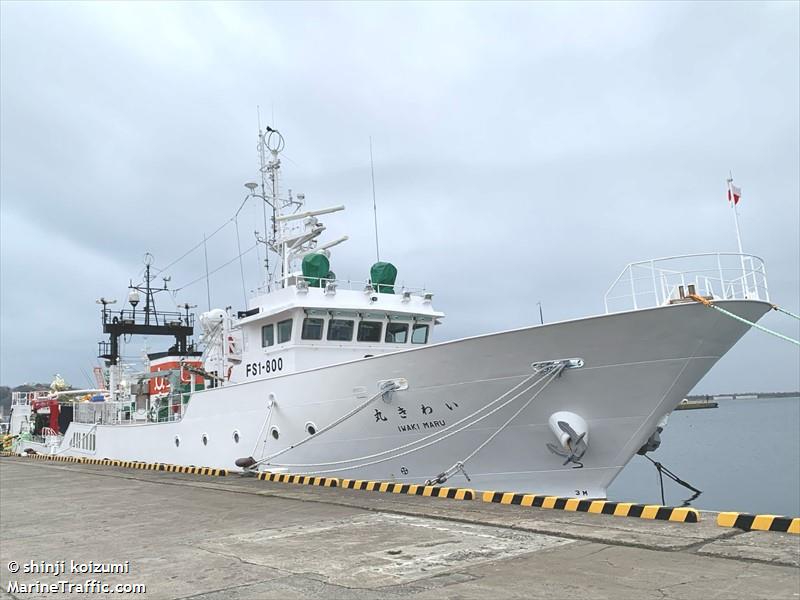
(637, 366)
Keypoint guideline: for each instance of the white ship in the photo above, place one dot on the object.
(344, 379)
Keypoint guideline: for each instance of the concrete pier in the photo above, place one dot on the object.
(190, 536)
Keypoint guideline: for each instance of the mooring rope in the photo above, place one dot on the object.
(554, 372)
(436, 441)
(662, 470)
(784, 311)
(427, 437)
(709, 303)
(547, 373)
(385, 390)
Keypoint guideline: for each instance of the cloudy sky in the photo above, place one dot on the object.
(523, 153)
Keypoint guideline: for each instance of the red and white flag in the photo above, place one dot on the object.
(734, 194)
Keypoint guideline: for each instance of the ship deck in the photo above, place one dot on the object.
(204, 537)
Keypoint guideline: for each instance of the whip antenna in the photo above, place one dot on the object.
(208, 285)
(374, 205)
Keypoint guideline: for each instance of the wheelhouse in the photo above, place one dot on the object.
(298, 328)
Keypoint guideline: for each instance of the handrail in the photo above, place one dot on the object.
(666, 279)
(349, 284)
(694, 255)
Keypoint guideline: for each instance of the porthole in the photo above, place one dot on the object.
(236, 436)
(204, 437)
(275, 433)
(177, 441)
(311, 429)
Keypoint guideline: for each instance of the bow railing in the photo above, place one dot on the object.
(660, 281)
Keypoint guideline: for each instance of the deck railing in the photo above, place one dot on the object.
(399, 288)
(167, 408)
(717, 275)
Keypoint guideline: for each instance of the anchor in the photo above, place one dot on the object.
(578, 447)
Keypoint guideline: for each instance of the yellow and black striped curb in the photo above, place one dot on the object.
(428, 491)
(192, 470)
(301, 479)
(759, 522)
(57, 457)
(133, 464)
(127, 464)
(603, 507)
(7, 453)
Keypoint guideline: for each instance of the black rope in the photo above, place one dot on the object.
(222, 266)
(662, 470)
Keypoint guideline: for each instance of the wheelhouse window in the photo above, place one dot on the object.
(267, 335)
(369, 331)
(397, 333)
(419, 334)
(312, 328)
(340, 330)
(284, 331)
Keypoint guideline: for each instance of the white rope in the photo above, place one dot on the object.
(705, 302)
(756, 325)
(264, 427)
(443, 437)
(786, 312)
(427, 437)
(328, 427)
(431, 443)
(459, 466)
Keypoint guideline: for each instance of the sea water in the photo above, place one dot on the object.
(743, 455)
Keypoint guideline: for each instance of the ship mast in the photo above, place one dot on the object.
(286, 238)
(270, 145)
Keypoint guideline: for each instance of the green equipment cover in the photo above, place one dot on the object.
(315, 268)
(382, 276)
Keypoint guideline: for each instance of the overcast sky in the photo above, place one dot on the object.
(523, 153)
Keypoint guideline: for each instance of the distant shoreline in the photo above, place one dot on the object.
(744, 396)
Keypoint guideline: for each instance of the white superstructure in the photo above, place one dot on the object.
(324, 376)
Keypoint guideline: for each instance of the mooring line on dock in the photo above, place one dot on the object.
(749, 522)
(680, 514)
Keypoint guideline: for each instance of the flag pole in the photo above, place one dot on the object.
(732, 200)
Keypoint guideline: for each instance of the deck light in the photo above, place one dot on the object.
(302, 285)
(133, 298)
(406, 296)
(427, 297)
(330, 288)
